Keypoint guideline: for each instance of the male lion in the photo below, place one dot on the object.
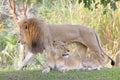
(117, 59)
(39, 36)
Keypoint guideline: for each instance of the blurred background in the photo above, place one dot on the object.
(101, 15)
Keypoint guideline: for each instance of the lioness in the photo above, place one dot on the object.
(59, 51)
(91, 64)
(66, 63)
(58, 59)
(38, 35)
(61, 61)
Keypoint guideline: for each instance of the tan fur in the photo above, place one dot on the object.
(84, 38)
(55, 57)
(34, 33)
(58, 61)
(117, 59)
(39, 35)
(66, 63)
(92, 60)
(31, 34)
(91, 64)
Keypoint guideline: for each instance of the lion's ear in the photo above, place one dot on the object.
(25, 26)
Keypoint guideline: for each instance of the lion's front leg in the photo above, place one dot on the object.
(21, 54)
(27, 59)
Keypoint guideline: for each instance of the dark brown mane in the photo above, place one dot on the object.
(34, 35)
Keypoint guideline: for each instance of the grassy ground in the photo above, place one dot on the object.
(104, 74)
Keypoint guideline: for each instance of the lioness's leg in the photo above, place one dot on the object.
(50, 64)
(46, 67)
(26, 60)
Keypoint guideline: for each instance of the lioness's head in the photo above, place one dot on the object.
(61, 49)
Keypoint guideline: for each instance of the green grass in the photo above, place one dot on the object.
(104, 74)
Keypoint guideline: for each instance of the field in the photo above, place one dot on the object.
(104, 74)
(104, 20)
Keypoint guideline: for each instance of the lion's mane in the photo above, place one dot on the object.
(35, 34)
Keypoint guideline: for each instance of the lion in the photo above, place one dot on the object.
(92, 61)
(61, 61)
(117, 59)
(91, 64)
(60, 50)
(65, 63)
(39, 35)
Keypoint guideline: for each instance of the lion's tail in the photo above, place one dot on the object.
(99, 43)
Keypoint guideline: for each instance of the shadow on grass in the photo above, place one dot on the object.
(104, 74)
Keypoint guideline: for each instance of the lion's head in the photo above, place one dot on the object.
(31, 33)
